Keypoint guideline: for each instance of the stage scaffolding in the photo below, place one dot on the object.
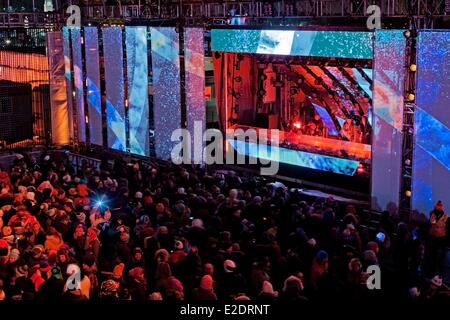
(409, 107)
(217, 12)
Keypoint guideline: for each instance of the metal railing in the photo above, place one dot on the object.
(205, 9)
(30, 19)
(286, 8)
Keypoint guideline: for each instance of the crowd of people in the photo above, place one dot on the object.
(157, 231)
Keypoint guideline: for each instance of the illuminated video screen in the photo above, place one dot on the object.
(431, 161)
(388, 80)
(114, 85)
(94, 99)
(137, 71)
(166, 88)
(79, 83)
(337, 44)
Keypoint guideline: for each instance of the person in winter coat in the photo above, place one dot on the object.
(205, 292)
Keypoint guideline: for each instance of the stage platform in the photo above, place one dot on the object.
(319, 145)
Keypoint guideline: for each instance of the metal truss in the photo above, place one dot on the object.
(216, 12)
(409, 107)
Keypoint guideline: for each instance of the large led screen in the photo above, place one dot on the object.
(166, 88)
(338, 44)
(388, 82)
(58, 91)
(137, 75)
(93, 85)
(431, 161)
(295, 157)
(78, 80)
(114, 85)
(68, 76)
(194, 52)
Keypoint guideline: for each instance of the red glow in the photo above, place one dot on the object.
(297, 125)
(360, 168)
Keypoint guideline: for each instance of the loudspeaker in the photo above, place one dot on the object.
(16, 120)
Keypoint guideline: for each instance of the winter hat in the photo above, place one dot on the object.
(163, 254)
(136, 272)
(312, 242)
(124, 237)
(414, 292)
(181, 191)
(436, 281)
(439, 206)
(109, 288)
(14, 255)
(92, 233)
(372, 245)
(197, 223)
(30, 196)
(44, 266)
(138, 195)
(3, 248)
(81, 217)
(229, 266)
(176, 284)
(321, 256)
(56, 273)
(160, 207)
(155, 296)
(22, 190)
(163, 230)
(178, 245)
(370, 257)
(118, 270)
(355, 262)
(206, 282)
(82, 190)
(21, 270)
(148, 200)
(51, 212)
(37, 250)
(268, 289)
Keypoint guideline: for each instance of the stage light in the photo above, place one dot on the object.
(8, 41)
(297, 125)
(408, 162)
(360, 168)
(411, 97)
(413, 68)
(408, 193)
